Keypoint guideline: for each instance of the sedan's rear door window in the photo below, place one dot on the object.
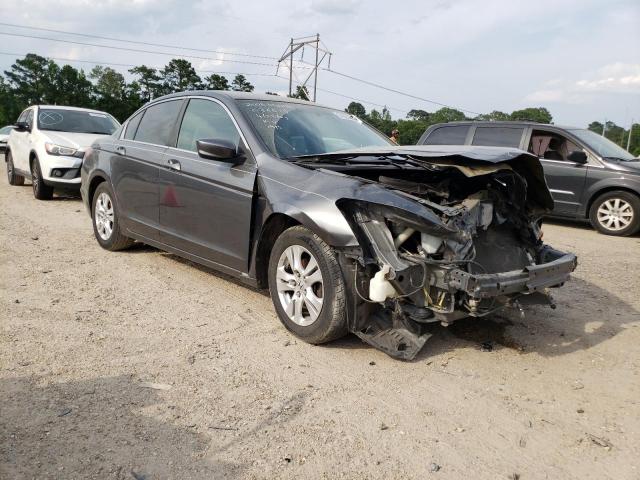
(498, 136)
(132, 126)
(158, 123)
(448, 135)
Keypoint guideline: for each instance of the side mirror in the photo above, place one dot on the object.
(22, 126)
(577, 156)
(221, 150)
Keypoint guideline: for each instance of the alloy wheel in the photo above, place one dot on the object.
(299, 284)
(104, 216)
(615, 214)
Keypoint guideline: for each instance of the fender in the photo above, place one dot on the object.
(625, 181)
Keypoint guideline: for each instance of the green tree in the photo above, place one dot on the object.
(179, 75)
(496, 115)
(149, 81)
(113, 94)
(217, 82)
(421, 115)
(32, 80)
(357, 109)
(447, 114)
(596, 127)
(10, 108)
(241, 84)
(539, 115)
(301, 92)
(72, 87)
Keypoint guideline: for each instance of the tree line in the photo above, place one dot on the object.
(37, 80)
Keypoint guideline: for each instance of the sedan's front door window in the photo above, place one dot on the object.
(204, 119)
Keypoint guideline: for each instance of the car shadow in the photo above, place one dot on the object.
(91, 429)
(586, 315)
(117, 427)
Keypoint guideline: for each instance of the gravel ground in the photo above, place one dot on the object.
(138, 364)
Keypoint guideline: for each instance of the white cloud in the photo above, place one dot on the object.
(616, 77)
(613, 78)
(335, 7)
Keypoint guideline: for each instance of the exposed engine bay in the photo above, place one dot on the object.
(476, 246)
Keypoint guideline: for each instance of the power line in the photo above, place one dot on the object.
(353, 98)
(136, 49)
(367, 82)
(126, 65)
(149, 44)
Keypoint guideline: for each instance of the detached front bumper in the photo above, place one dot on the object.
(528, 280)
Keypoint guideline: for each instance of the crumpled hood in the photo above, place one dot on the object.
(462, 153)
(74, 140)
(526, 164)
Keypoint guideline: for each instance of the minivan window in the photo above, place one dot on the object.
(158, 122)
(602, 145)
(132, 126)
(451, 135)
(76, 121)
(204, 119)
(498, 136)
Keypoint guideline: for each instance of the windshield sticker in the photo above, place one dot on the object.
(50, 118)
(99, 115)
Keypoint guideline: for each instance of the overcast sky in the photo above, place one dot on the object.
(578, 58)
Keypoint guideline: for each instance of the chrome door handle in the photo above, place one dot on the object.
(121, 150)
(174, 164)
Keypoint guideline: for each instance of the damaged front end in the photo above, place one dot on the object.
(476, 247)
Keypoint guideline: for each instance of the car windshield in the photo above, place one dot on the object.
(293, 129)
(76, 121)
(602, 145)
(6, 130)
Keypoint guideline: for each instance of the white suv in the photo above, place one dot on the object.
(48, 143)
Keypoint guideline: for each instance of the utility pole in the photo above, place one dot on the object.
(629, 138)
(298, 44)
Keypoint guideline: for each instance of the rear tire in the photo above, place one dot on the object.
(616, 213)
(307, 287)
(41, 190)
(106, 221)
(12, 176)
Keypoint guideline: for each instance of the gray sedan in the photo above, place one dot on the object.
(349, 232)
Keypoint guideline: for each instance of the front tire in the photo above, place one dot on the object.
(616, 213)
(41, 190)
(307, 287)
(106, 223)
(12, 176)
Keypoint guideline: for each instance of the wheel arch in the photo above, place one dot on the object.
(96, 180)
(607, 189)
(271, 229)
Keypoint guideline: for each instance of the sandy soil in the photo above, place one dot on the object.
(141, 365)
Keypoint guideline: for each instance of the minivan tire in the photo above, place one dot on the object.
(12, 176)
(41, 190)
(114, 240)
(607, 202)
(331, 322)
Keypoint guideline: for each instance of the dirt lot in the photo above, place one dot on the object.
(141, 365)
